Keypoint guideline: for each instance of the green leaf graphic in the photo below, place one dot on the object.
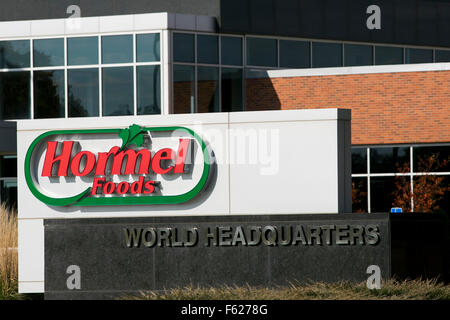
(132, 135)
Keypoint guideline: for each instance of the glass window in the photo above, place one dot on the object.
(442, 55)
(8, 192)
(431, 193)
(389, 159)
(148, 89)
(83, 92)
(358, 55)
(148, 47)
(359, 160)
(81, 51)
(117, 49)
(232, 98)
(418, 56)
(295, 54)
(208, 89)
(15, 95)
(262, 52)
(207, 49)
(388, 55)
(183, 47)
(231, 51)
(8, 166)
(117, 91)
(326, 55)
(431, 159)
(183, 89)
(442, 204)
(49, 94)
(359, 195)
(14, 54)
(382, 197)
(48, 52)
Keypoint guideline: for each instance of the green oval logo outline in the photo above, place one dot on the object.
(82, 199)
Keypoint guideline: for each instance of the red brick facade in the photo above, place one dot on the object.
(387, 108)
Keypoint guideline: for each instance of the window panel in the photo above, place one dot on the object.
(382, 197)
(359, 160)
(148, 47)
(418, 55)
(388, 55)
(208, 89)
(231, 51)
(15, 95)
(183, 47)
(431, 194)
(184, 89)
(442, 55)
(207, 49)
(8, 192)
(48, 52)
(83, 92)
(232, 96)
(117, 49)
(389, 159)
(49, 94)
(262, 52)
(358, 55)
(295, 54)
(117, 91)
(325, 55)
(359, 195)
(442, 204)
(431, 159)
(148, 90)
(8, 166)
(14, 54)
(82, 51)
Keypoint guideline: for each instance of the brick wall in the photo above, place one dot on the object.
(408, 107)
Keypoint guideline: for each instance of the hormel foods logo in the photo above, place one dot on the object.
(136, 165)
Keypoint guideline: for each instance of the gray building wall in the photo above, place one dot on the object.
(51, 9)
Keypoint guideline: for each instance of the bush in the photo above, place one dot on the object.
(8, 252)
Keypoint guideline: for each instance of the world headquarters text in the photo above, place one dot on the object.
(252, 235)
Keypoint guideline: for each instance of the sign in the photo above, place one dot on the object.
(252, 164)
(108, 174)
(130, 255)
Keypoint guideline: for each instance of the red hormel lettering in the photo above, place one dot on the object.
(124, 162)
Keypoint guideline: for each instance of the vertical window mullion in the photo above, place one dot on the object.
(31, 80)
(194, 109)
(411, 157)
(100, 77)
(220, 72)
(278, 53)
(368, 181)
(66, 85)
(373, 55)
(135, 75)
(244, 65)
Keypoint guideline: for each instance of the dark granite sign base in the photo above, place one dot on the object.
(123, 256)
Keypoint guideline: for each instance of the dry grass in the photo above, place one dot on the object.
(390, 290)
(8, 252)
